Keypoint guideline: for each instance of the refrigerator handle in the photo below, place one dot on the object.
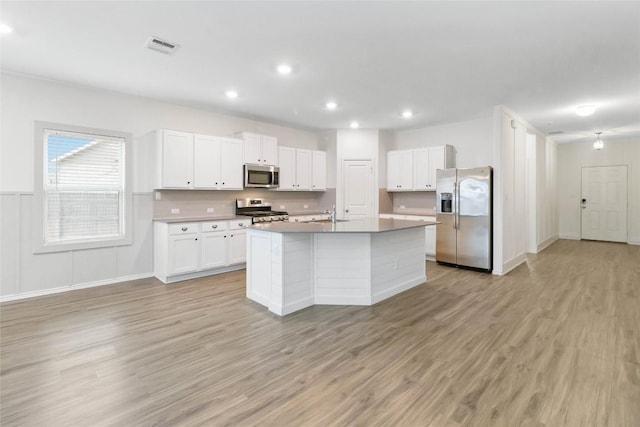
(455, 205)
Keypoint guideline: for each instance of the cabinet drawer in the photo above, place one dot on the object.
(239, 224)
(211, 226)
(184, 228)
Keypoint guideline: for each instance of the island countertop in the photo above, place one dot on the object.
(364, 225)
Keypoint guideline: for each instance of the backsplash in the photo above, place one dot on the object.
(195, 203)
(415, 202)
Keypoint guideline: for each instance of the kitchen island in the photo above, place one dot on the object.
(291, 266)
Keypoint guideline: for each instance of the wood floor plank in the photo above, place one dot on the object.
(554, 343)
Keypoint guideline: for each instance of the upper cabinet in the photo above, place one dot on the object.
(415, 170)
(259, 149)
(192, 161)
(302, 170)
(399, 168)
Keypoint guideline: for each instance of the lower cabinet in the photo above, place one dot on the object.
(187, 250)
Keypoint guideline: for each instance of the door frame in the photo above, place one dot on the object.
(627, 197)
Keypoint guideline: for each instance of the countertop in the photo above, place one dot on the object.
(366, 225)
(173, 220)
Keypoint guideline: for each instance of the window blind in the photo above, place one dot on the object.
(84, 186)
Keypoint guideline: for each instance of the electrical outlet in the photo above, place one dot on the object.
(282, 207)
(210, 210)
(175, 211)
(306, 206)
(158, 195)
(401, 206)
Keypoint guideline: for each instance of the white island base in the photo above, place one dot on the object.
(288, 271)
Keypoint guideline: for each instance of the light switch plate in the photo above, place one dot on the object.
(210, 210)
(306, 206)
(282, 207)
(158, 195)
(175, 211)
(401, 206)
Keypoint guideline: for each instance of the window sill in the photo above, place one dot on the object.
(82, 245)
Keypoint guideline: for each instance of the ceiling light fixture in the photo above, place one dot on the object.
(284, 69)
(331, 105)
(231, 94)
(407, 114)
(599, 144)
(5, 29)
(354, 125)
(585, 110)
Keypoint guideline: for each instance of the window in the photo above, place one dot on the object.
(84, 197)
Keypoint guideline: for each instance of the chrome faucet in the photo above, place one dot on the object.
(332, 214)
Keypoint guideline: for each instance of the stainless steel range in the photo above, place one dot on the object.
(259, 210)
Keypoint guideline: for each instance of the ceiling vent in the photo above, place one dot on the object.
(555, 132)
(162, 46)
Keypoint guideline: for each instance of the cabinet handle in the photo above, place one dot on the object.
(240, 224)
(259, 159)
(265, 161)
(225, 237)
(223, 183)
(184, 228)
(216, 183)
(232, 235)
(214, 226)
(196, 238)
(188, 182)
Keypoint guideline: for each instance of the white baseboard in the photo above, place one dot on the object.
(510, 265)
(51, 291)
(198, 274)
(398, 288)
(569, 237)
(292, 307)
(545, 244)
(633, 242)
(342, 300)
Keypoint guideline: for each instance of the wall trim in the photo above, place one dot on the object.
(633, 242)
(510, 265)
(569, 237)
(50, 291)
(545, 244)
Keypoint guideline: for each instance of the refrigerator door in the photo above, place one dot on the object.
(474, 218)
(445, 214)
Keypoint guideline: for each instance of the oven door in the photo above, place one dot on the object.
(261, 176)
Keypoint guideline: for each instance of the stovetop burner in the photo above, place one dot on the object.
(259, 210)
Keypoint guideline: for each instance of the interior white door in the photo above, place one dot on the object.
(358, 188)
(604, 203)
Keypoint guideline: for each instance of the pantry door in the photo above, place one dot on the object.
(604, 203)
(358, 187)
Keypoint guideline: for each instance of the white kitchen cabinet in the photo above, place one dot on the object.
(260, 149)
(188, 250)
(176, 159)
(319, 170)
(399, 170)
(192, 161)
(422, 167)
(302, 170)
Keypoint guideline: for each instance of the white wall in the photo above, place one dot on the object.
(328, 141)
(26, 100)
(472, 140)
(572, 157)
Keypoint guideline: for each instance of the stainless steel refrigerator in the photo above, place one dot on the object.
(464, 210)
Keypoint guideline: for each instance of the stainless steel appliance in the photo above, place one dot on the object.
(259, 210)
(464, 211)
(261, 176)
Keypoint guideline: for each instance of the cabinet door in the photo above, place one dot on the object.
(231, 164)
(237, 246)
(269, 150)
(436, 161)
(177, 159)
(206, 162)
(183, 253)
(287, 160)
(319, 170)
(399, 171)
(430, 240)
(421, 171)
(214, 250)
(252, 148)
(303, 170)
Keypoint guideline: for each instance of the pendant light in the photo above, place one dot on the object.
(599, 144)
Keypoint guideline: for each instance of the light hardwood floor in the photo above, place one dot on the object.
(554, 343)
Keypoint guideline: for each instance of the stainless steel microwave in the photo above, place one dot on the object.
(261, 176)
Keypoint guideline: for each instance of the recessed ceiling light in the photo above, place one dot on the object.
(5, 29)
(331, 105)
(284, 69)
(407, 114)
(354, 125)
(585, 110)
(231, 94)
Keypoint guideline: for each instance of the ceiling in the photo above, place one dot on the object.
(446, 61)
